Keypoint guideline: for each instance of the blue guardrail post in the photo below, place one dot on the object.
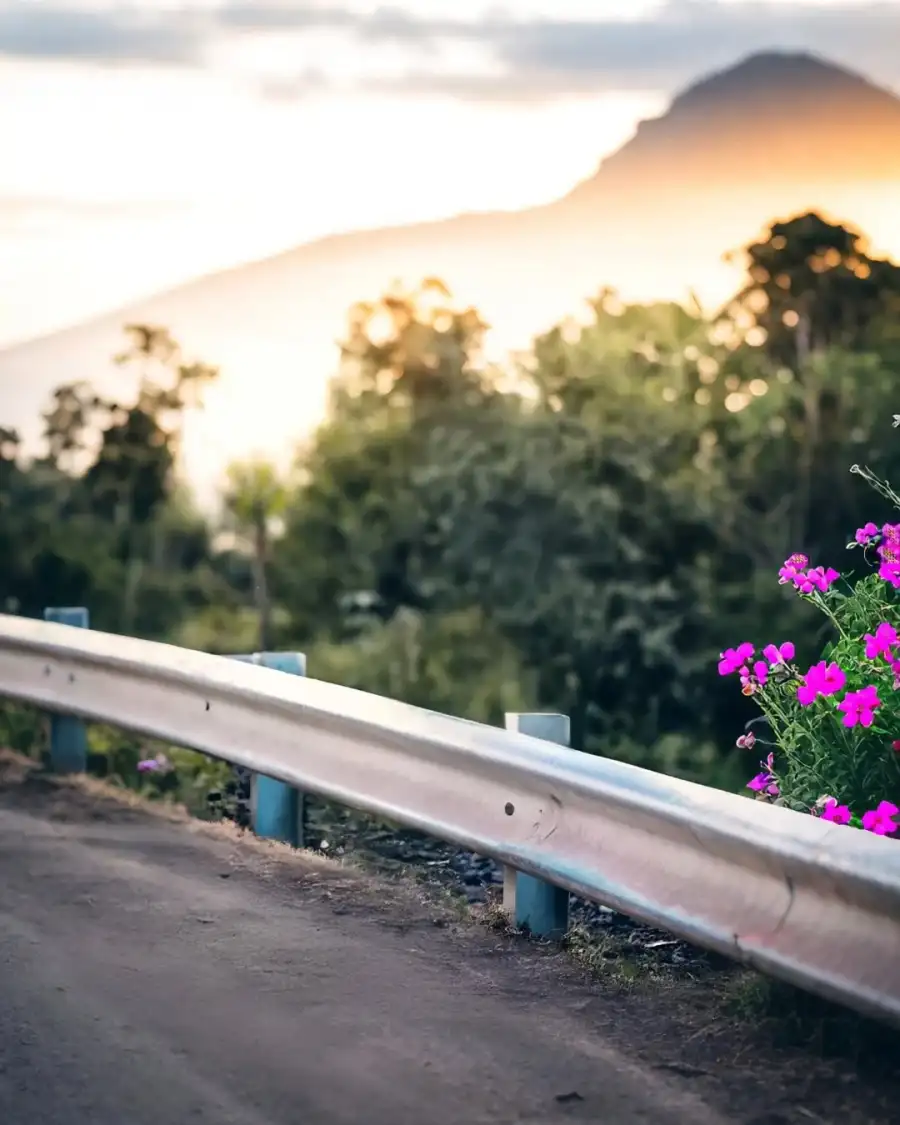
(278, 811)
(530, 902)
(68, 734)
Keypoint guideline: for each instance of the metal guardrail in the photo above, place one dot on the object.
(800, 898)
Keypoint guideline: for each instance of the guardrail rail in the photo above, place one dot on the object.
(797, 897)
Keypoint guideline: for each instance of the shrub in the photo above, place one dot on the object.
(22, 728)
(155, 769)
(835, 728)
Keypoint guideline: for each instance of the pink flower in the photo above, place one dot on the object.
(746, 741)
(890, 572)
(751, 682)
(806, 693)
(865, 534)
(880, 820)
(821, 679)
(881, 642)
(777, 656)
(859, 706)
(732, 658)
(806, 581)
(816, 578)
(792, 567)
(764, 782)
(826, 577)
(891, 533)
(159, 764)
(837, 814)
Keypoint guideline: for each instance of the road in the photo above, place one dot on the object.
(155, 974)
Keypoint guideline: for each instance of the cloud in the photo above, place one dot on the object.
(538, 60)
(686, 37)
(507, 87)
(114, 34)
(534, 59)
(117, 32)
(386, 23)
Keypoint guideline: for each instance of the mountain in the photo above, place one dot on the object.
(776, 134)
(778, 117)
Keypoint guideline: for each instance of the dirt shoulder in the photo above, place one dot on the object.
(686, 1043)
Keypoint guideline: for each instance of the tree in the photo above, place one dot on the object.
(354, 529)
(583, 541)
(255, 502)
(813, 285)
(573, 366)
(68, 423)
(100, 520)
(456, 663)
(411, 349)
(133, 475)
(169, 385)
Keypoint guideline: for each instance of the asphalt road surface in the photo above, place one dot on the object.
(155, 974)
(146, 979)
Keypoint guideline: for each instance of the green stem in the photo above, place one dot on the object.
(817, 599)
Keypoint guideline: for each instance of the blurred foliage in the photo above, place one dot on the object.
(22, 729)
(812, 285)
(255, 500)
(101, 520)
(453, 663)
(223, 630)
(114, 756)
(582, 532)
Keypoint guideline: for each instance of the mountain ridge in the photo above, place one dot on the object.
(706, 91)
(805, 71)
(758, 98)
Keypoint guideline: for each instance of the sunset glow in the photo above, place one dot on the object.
(224, 134)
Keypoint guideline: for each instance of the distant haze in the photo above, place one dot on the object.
(773, 136)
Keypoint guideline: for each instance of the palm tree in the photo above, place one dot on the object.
(255, 501)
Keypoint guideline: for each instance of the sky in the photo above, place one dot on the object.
(146, 142)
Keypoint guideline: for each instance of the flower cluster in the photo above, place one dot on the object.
(754, 673)
(851, 689)
(821, 680)
(826, 680)
(806, 578)
(879, 821)
(886, 542)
